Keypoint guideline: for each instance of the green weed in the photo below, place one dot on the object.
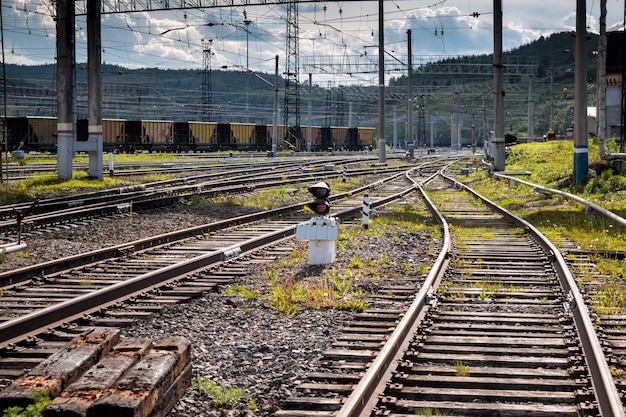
(461, 369)
(222, 397)
(40, 401)
(242, 291)
(428, 412)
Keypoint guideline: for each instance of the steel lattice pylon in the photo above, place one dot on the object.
(207, 95)
(292, 93)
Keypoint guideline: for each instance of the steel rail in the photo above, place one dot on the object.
(592, 206)
(51, 267)
(67, 311)
(38, 321)
(606, 392)
(142, 198)
(365, 390)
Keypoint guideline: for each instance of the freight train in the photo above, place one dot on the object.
(31, 133)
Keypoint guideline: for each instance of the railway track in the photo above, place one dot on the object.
(63, 210)
(493, 331)
(133, 282)
(497, 328)
(610, 322)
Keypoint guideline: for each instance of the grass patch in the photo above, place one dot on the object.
(221, 397)
(561, 219)
(48, 186)
(40, 401)
(428, 412)
(246, 293)
(294, 285)
(461, 369)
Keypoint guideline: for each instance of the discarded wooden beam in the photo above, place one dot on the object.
(145, 386)
(96, 376)
(62, 368)
(79, 396)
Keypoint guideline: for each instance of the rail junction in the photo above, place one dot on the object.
(496, 327)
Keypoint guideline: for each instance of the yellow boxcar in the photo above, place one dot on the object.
(42, 133)
(201, 135)
(315, 136)
(366, 136)
(113, 132)
(158, 132)
(243, 135)
(201, 132)
(340, 136)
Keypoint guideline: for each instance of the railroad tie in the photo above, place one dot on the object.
(61, 369)
(133, 377)
(79, 396)
(152, 386)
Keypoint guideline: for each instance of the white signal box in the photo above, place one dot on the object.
(321, 232)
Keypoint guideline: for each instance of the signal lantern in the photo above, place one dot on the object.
(320, 205)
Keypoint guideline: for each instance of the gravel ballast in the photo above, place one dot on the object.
(236, 342)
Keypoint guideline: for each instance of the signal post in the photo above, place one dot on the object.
(321, 230)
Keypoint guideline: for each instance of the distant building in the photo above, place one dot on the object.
(616, 42)
(592, 120)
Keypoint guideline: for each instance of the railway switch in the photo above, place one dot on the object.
(321, 230)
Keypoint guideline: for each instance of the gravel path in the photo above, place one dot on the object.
(237, 342)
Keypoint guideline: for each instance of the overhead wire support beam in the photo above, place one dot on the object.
(125, 6)
(422, 64)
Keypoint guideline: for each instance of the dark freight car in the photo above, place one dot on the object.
(33, 133)
(352, 141)
(182, 136)
(326, 138)
(224, 139)
(17, 133)
(262, 138)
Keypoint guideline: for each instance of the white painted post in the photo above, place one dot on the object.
(110, 154)
(366, 211)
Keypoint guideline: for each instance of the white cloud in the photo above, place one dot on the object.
(174, 39)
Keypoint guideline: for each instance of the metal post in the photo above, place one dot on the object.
(498, 90)
(382, 143)
(94, 86)
(4, 140)
(65, 87)
(581, 150)
(365, 211)
(275, 121)
(454, 126)
(309, 130)
(395, 129)
(409, 95)
(552, 98)
(531, 124)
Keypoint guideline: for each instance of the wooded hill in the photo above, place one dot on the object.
(439, 90)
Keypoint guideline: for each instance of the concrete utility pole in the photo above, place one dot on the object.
(94, 146)
(382, 143)
(275, 118)
(66, 114)
(581, 149)
(65, 87)
(498, 89)
(409, 96)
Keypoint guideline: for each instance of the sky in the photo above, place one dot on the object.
(337, 35)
